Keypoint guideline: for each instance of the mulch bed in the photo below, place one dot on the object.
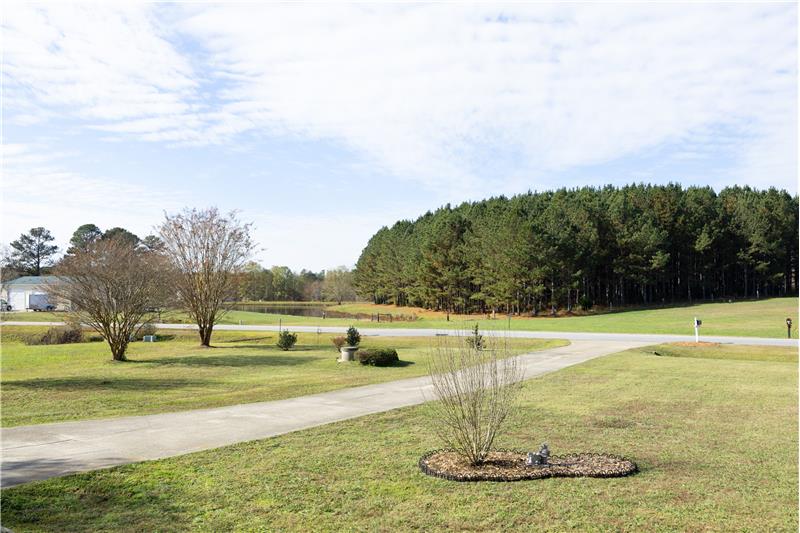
(509, 465)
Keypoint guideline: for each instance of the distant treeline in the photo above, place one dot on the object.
(638, 244)
(280, 283)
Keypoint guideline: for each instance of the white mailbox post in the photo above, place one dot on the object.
(697, 324)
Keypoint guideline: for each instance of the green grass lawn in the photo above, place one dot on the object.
(763, 318)
(44, 316)
(729, 352)
(76, 381)
(715, 440)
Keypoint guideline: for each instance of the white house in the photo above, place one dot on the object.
(28, 293)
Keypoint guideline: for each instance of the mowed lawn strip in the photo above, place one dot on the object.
(763, 318)
(716, 442)
(728, 352)
(78, 381)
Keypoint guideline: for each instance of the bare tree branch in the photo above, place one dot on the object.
(207, 249)
(112, 286)
(476, 388)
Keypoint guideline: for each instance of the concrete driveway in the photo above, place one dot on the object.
(47, 450)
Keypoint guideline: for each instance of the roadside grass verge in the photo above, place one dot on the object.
(715, 440)
(730, 352)
(76, 381)
(762, 318)
(43, 316)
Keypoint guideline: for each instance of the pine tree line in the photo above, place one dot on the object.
(638, 244)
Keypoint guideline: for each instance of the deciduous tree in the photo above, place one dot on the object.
(338, 285)
(476, 385)
(112, 286)
(206, 249)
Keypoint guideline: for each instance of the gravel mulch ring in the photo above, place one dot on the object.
(509, 465)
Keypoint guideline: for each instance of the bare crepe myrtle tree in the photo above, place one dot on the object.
(206, 249)
(112, 286)
(476, 388)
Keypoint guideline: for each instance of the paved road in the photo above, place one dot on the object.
(407, 332)
(48, 450)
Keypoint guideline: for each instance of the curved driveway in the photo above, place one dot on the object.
(47, 450)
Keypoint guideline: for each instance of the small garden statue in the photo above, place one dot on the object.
(539, 458)
(544, 453)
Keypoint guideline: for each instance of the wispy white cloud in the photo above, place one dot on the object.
(442, 93)
(475, 98)
(422, 90)
(38, 189)
(94, 62)
(437, 92)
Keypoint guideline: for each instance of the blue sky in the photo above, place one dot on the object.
(322, 123)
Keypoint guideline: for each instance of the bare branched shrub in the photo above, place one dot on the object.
(476, 389)
(207, 249)
(111, 286)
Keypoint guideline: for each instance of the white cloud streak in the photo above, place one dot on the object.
(38, 190)
(436, 93)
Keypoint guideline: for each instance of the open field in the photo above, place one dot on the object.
(716, 442)
(763, 318)
(44, 316)
(76, 381)
(730, 352)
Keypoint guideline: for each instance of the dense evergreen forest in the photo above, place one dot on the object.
(610, 246)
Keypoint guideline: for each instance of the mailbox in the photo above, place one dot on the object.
(698, 322)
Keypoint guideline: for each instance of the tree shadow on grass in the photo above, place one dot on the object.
(111, 383)
(91, 501)
(272, 346)
(233, 360)
(246, 339)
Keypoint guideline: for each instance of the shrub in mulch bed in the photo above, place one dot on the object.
(509, 465)
(378, 357)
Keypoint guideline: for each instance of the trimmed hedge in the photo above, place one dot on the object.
(378, 357)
